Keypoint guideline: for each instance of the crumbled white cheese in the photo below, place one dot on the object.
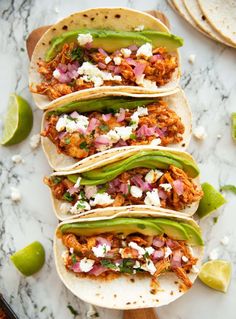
(185, 259)
(71, 250)
(200, 133)
(101, 250)
(17, 159)
(145, 50)
(79, 207)
(56, 9)
(117, 60)
(153, 175)
(141, 251)
(113, 136)
(155, 142)
(194, 269)
(101, 199)
(168, 252)
(149, 250)
(147, 84)
(124, 132)
(152, 198)
(84, 39)
(149, 266)
(107, 59)
(77, 184)
(166, 186)
(213, 254)
(141, 111)
(86, 264)
(126, 52)
(15, 194)
(34, 141)
(65, 208)
(91, 73)
(139, 28)
(136, 191)
(192, 58)
(64, 256)
(56, 74)
(137, 264)
(72, 125)
(219, 136)
(225, 240)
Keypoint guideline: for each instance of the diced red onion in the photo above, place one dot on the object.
(76, 267)
(114, 186)
(120, 144)
(133, 47)
(102, 139)
(176, 259)
(103, 52)
(102, 65)
(103, 241)
(144, 131)
(162, 194)
(88, 45)
(137, 181)
(158, 254)
(74, 115)
(178, 186)
(111, 68)
(62, 68)
(139, 69)
(121, 116)
(61, 135)
(97, 270)
(157, 242)
(117, 70)
(131, 61)
(106, 117)
(93, 123)
(117, 52)
(155, 57)
(124, 188)
(72, 190)
(170, 243)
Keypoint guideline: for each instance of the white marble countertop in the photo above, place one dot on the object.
(210, 84)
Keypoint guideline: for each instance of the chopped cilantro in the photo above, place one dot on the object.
(126, 266)
(132, 123)
(68, 197)
(72, 310)
(133, 136)
(67, 140)
(104, 128)
(77, 54)
(146, 255)
(73, 258)
(83, 146)
(56, 180)
(102, 189)
(108, 264)
(79, 205)
(82, 195)
(43, 308)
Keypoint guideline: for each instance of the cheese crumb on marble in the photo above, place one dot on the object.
(17, 159)
(213, 255)
(34, 141)
(200, 133)
(192, 58)
(225, 240)
(15, 194)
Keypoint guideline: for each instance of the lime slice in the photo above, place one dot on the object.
(212, 199)
(30, 259)
(216, 274)
(18, 122)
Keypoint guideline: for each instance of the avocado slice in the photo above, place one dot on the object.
(124, 226)
(160, 39)
(171, 228)
(195, 238)
(110, 104)
(111, 40)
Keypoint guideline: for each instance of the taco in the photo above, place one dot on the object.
(117, 48)
(153, 258)
(146, 178)
(88, 127)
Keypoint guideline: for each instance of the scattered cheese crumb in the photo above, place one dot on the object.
(65, 208)
(56, 9)
(166, 186)
(152, 198)
(213, 254)
(141, 251)
(139, 28)
(219, 136)
(149, 266)
(15, 194)
(200, 133)
(64, 256)
(17, 159)
(225, 240)
(34, 141)
(107, 59)
(194, 269)
(101, 250)
(145, 50)
(153, 175)
(185, 259)
(72, 250)
(79, 207)
(117, 60)
(126, 52)
(136, 191)
(168, 252)
(192, 58)
(84, 38)
(86, 264)
(102, 199)
(155, 142)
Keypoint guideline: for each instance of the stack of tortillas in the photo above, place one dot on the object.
(216, 19)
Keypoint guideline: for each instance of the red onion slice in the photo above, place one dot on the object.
(158, 254)
(103, 52)
(157, 242)
(74, 115)
(178, 187)
(131, 61)
(93, 123)
(106, 117)
(97, 270)
(176, 259)
(139, 69)
(76, 267)
(121, 116)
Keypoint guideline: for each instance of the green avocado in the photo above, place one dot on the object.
(171, 228)
(111, 40)
(195, 238)
(123, 226)
(105, 104)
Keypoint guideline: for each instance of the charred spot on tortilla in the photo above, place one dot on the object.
(117, 16)
(85, 15)
(203, 18)
(92, 18)
(65, 27)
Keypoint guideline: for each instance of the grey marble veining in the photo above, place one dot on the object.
(210, 85)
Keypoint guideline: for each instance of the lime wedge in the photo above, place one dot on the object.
(216, 274)
(211, 200)
(18, 121)
(30, 259)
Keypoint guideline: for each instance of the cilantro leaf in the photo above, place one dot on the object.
(230, 188)
(108, 264)
(68, 197)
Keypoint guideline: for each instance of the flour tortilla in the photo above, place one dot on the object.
(110, 294)
(122, 19)
(176, 101)
(221, 14)
(194, 10)
(111, 158)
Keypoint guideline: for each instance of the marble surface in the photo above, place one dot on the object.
(210, 84)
